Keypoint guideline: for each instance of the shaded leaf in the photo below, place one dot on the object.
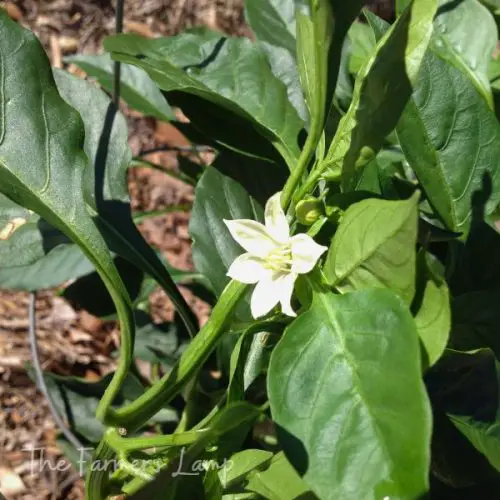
(218, 197)
(106, 145)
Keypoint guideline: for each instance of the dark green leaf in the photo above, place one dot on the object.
(476, 321)
(235, 76)
(375, 246)
(451, 138)
(260, 178)
(484, 436)
(382, 90)
(345, 391)
(136, 89)
(464, 386)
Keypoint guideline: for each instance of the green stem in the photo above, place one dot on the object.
(137, 413)
(302, 164)
(125, 445)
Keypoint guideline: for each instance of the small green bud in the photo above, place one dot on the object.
(309, 210)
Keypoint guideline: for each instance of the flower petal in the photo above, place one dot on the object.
(252, 236)
(277, 289)
(305, 253)
(287, 285)
(276, 222)
(248, 269)
(263, 298)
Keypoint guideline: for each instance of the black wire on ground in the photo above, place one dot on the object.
(40, 379)
(117, 67)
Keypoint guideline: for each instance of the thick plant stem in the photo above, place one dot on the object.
(143, 408)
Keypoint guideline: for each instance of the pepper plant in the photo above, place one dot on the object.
(346, 233)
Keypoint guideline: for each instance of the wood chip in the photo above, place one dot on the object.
(13, 11)
(139, 28)
(10, 483)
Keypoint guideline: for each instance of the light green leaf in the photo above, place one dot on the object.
(235, 76)
(433, 318)
(362, 46)
(315, 26)
(242, 463)
(278, 481)
(375, 246)
(345, 391)
(484, 436)
(218, 197)
(136, 87)
(382, 90)
(460, 42)
(273, 22)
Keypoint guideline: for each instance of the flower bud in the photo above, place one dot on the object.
(309, 210)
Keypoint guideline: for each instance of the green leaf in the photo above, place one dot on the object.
(218, 197)
(450, 105)
(242, 463)
(345, 391)
(450, 166)
(484, 436)
(433, 318)
(34, 255)
(278, 481)
(462, 45)
(375, 246)
(248, 359)
(44, 169)
(315, 26)
(284, 67)
(382, 90)
(106, 145)
(362, 46)
(273, 22)
(235, 76)
(260, 178)
(136, 87)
